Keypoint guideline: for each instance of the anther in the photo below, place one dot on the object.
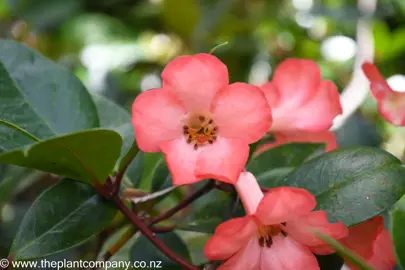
(185, 132)
(269, 242)
(189, 141)
(284, 223)
(261, 241)
(284, 233)
(211, 141)
(214, 138)
(215, 129)
(202, 118)
(195, 146)
(185, 127)
(211, 121)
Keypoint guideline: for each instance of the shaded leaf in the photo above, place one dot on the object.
(40, 97)
(64, 216)
(77, 155)
(161, 177)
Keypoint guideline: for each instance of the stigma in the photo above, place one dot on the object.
(200, 130)
(266, 232)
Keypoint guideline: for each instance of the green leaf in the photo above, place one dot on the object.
(40, 97)
(65, 215)
(347, 254)
(208, 212)
(114, 117)
(271, 166)
(144, 250)
(77, 155)
(135, 169)
(352, 185)
(161, 177)
(397, 230)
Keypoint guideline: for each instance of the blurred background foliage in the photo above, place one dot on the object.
(118, 48)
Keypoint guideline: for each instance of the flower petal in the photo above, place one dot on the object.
(241, 112)
(284, 204)
(249, 191)
(316, 114)
(379, 86)
(296, 81)
(195, 79)
(229, 237)
(156, 117)
(248, 258)
(181, 160)
(392, 108)
(301, 229)
(287, 254)
(223, 160)
(383, 257)
(301, 137)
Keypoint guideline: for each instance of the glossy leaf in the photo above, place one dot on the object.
(82, 156)
(40, 97)
(397, 230)
(144, 250)
(352, 185)
(65, 215)
(271, 166)
(135, 169)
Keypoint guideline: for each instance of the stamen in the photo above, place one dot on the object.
(189, 141)
(269, 242)
(261, 241)
(195, 146)
(200, 131)
(202, 118)
(210, 141)
(185, 127)
(211, 121)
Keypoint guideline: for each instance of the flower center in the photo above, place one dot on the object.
(265, 232)
(200, 130)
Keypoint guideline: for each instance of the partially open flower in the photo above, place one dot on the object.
(277, 233)
(371, 241)
(202, 125)
(391, 104)
(300, 100)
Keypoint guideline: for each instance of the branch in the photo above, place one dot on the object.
(356, 91)
(144, 229)
(205, 189)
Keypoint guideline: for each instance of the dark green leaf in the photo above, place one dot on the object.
(64, 216)
(135, 169)
(77, 155)
(112, 116)
(40, 97)
(330, 262)
(271, 166)
(398, 232)
(144, 250)
(352, 185)
(208, 212)
(161, 177)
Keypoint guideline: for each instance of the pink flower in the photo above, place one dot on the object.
(391, 104)
(275, 234)
(299, 99)
(202, 124)
(371, 241)
(326, 137)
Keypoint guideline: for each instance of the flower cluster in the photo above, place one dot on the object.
(204, 125)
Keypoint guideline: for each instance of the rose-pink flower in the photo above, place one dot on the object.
(202, 124)
(277, 232)
(391, 104)
(303, 105)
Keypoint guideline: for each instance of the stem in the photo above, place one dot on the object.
(124, 163)
(162, 229)
(120, 243)
(144, 229)
(205, 189)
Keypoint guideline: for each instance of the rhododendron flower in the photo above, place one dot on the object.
(391, 104)
(299, 99)
(371, 241)
(326, 137)
(202, 125)
(277, 232)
